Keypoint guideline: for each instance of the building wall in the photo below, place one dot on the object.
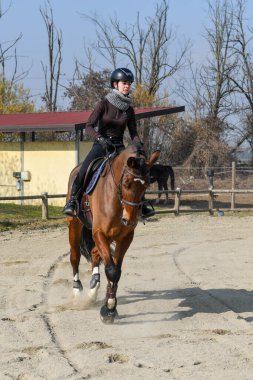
(49, 164)
(10, 161)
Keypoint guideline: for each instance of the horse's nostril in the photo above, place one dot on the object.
(125, 221)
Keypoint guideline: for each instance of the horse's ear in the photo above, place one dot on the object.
(131, 162)
(153, 158)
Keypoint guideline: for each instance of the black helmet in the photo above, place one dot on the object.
(122, 74)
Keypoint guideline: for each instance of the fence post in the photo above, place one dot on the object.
(210, 200)
(177, 200)
(233, 186)
(44, 205)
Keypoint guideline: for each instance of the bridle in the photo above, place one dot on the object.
(137, 177)
(119, 186)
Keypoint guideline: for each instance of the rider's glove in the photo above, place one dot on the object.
(138, 144)
(140, 147)
(106, 143)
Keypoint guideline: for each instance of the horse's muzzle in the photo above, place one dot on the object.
(128, 223)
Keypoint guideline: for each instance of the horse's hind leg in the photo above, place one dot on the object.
(75, 232)
(159, 195)
(95, 278)
(165, 187)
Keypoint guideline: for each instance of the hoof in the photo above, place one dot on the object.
(107, 316)
(77, 287)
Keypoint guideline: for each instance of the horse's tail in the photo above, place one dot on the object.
(172, 178)
(87, 243)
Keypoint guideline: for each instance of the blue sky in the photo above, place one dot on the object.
(187, 16)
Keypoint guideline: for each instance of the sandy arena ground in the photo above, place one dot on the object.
(185, 304)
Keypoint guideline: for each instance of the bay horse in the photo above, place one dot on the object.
(160, 174)
(115, 205)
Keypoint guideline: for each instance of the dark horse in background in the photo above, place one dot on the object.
(161, 174)
(114, 208)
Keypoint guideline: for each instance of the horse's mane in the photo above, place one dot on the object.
(133, 150)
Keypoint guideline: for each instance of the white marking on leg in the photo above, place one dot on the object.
(92, 293)
(95, 270)
(111, 303)
(76, 292)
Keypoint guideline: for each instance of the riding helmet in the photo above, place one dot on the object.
(122, 74)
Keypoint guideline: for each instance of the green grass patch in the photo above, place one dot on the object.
(14, 216)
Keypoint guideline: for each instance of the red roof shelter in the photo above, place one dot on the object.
(66, 121)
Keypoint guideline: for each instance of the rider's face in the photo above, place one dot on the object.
(123, 87)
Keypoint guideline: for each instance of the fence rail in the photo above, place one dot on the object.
(209, 193)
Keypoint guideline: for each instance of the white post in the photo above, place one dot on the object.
(233, 186)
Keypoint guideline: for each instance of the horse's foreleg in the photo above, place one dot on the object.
(75, 231)
(103, 247)
(108, 310)
(95, 277)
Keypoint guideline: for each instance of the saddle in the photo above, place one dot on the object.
(94, 171)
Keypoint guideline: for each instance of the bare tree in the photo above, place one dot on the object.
(52, 74)
(242, 76)
(8, 51)
(88, 90)
(10, 74)
(209, 91)
(147, 49)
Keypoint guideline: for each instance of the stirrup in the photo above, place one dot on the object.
(72, 207)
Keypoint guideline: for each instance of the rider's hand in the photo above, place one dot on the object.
(106, 143)
(138, 144)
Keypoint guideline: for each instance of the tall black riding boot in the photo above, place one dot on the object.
(146, 211)
(72, 206)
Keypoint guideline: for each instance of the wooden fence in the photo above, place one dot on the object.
(210, 194)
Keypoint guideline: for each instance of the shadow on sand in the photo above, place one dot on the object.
(195, 300)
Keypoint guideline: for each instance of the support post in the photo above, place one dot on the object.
(44, 206)
(211, 201)
(210, 175)
(177, 200)
(22, 166)
(77, 146)
(233, 186)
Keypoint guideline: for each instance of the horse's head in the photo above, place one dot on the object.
(135, 180)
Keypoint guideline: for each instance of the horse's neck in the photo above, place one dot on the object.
(116, 168)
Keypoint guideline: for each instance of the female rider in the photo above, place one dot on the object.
(111, 115)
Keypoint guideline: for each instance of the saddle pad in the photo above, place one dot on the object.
(95, 176)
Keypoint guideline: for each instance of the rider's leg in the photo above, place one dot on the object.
(76, 190)
(146, 211)
(72, 205)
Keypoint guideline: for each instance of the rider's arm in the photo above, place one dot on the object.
(132, 126)
(93, 121)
